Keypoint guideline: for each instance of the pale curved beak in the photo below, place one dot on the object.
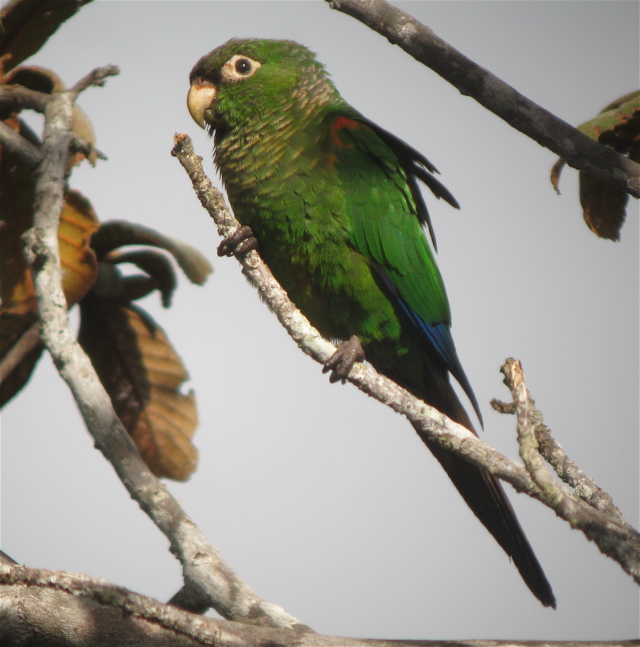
(200, 98)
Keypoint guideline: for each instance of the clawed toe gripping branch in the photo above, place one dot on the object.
(239, 242)
(343, 360)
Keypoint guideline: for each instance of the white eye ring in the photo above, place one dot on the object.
(239, 67)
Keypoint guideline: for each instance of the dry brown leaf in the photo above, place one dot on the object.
(604, 205)
(29, 23)
(143, 375)
(18, 305)
(77, 223)
(162, 434)
(116, 233)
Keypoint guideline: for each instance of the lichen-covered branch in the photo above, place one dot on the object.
(53, 609)
(204, 570)
(600, 520)
(614, 538)
(551, 450)
(527, 441)
(571, 474)
(425, 46)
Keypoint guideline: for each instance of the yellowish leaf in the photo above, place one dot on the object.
(77, 223)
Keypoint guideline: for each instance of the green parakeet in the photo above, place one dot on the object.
(334, 203)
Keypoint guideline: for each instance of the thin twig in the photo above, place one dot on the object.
(570, 473)
(419, 41)
(550, 449)
(527, 441)
(27, 342)
(97, 77)
(605, 525)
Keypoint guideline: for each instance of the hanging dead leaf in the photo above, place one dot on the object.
(29, 23)
(604, 205)
(77, 223)
(143, 375)
(116, 233)
(157, 266)
(133, 358)
(131, 354)
(18, 307)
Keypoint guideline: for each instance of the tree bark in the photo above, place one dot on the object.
(207, 575)
(418, 40)
(53, 609)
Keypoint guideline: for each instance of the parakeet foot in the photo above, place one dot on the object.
(240, 242)
(342, 361)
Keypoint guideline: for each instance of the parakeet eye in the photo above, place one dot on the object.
(239, 67)
(243, 66)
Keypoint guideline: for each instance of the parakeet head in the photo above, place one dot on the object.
(242, 80)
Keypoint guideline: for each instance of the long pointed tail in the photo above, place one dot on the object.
(485, 496)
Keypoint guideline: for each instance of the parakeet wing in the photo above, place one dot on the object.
(380, 175)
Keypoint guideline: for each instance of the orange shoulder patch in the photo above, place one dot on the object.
(340, 123)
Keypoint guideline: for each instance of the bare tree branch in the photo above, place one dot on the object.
(419, 41)
(28, 153)
(528, 443)
(616, 539)
(97, 77)
(552, 451)
(14, 98)
(53, 609)
(203, 568)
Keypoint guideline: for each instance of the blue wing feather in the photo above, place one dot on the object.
(392, 236)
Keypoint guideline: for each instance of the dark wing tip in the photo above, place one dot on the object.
(437, 188)
(415, 163)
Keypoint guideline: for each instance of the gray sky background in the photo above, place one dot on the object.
(323, 500)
